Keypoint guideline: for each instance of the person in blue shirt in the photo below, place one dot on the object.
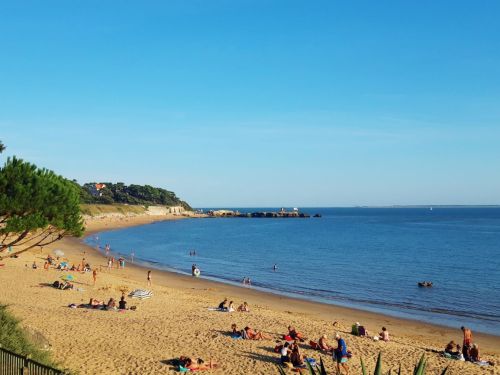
(340, 354)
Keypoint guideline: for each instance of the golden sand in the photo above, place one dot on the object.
(176, 320)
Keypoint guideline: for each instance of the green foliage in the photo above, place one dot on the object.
(13, 338)
(131, 194)
(2, 147)
(37, 207)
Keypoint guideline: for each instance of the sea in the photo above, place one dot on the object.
(365, 258)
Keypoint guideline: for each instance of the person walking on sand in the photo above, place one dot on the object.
(340, 354)
(149, 278)
(94, 275)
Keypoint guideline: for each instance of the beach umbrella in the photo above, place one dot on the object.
(68, 277)
(64, 264)
(58, 253)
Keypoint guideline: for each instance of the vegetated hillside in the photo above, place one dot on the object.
(132, 194)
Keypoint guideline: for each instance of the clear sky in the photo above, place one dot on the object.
(259, 103)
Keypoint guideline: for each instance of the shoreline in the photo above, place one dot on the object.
(176, 320)
(306, 305)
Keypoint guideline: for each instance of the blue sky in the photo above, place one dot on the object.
(259, 103)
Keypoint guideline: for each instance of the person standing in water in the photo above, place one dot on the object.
(149, 278)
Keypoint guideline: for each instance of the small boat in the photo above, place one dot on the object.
(425, 284)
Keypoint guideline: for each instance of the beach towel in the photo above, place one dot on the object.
(311, 361)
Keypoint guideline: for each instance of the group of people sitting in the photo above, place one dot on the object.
(291, 356)
(224, 306)
(94, 303)
(469, 351)
(359, 330)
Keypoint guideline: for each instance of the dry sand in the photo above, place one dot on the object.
(176, 320)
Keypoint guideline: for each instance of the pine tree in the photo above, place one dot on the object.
(37, 207)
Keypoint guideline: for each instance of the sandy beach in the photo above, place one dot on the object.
(176, 320)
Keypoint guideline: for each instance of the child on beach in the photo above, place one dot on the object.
(384, 335)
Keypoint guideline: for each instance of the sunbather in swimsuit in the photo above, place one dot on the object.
(254, 335)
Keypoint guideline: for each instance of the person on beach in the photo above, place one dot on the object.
(450, 348)
(111, 304)
(244, 307)
(149, 278)
(234, 331)
(384, 335)
(340, 354)
(255, 335)
(467, 342)
(292, 332)
(285, 352)
(95, 302)
(275, 267)
(199, 364)
(296, 357)
(110, 264)
(94, 275)
(323, 344)
(222, 305)
(122, 305)
(230, 307)
(132, 254)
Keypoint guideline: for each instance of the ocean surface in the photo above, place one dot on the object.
(368, 258)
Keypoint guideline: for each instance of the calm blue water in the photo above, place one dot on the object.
(370, 258)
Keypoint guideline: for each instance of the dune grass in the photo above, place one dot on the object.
(15, 339)
(98, 209)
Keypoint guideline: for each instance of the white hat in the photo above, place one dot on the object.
(357, 323)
